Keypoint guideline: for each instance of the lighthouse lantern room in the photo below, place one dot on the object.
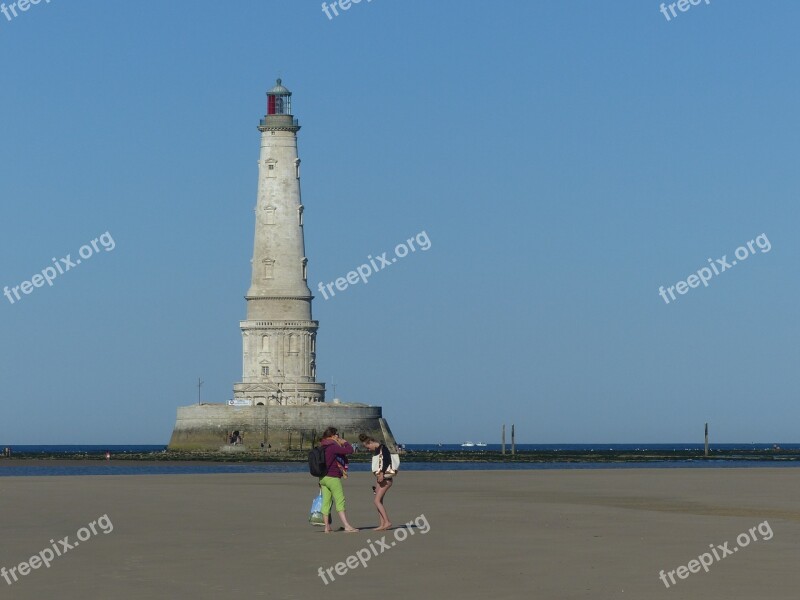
(279, 100)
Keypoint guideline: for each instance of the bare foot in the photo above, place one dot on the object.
(351, 530)
(383, 527)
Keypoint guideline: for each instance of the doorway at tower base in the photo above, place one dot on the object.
(208, 426)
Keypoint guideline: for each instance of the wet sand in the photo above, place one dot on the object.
(596, 534)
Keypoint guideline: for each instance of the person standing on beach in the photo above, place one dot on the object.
(336, 451)
(384, 482)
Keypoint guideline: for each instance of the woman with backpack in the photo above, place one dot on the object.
(336, 451)
(384, 474)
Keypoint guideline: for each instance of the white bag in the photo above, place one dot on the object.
(391, 471)
(315, 516)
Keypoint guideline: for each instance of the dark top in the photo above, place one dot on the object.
(386, 458)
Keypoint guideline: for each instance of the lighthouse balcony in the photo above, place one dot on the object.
(279, 122)
(278, 325)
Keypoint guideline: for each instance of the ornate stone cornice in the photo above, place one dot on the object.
(279, 297)
(294, 128)
(307, 325)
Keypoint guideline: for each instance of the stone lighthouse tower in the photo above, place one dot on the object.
(278, 404)
(279, 335)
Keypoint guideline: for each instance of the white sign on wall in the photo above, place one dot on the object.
(240, 402)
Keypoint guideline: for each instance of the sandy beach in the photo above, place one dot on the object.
(504, 535)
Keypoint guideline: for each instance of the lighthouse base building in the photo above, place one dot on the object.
(279, 403)
(209, 426)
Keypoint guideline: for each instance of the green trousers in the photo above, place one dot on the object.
(331, 491)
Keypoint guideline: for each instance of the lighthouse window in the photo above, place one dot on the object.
(268, 268)
(271, 168)
(305, 269)
(300, 215)
(270, 215)
(293, 344)
(265, 371)
(297, 168)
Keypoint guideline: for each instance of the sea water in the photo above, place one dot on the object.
(20, 468)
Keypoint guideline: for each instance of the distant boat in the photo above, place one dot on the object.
(467, 445)
(481, 444)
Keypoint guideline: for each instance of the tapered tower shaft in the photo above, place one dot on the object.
(279, 335)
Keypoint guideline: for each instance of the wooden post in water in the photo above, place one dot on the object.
(504, 438)
(513, 443)
(706, 440)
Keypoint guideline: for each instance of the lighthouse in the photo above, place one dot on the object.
(279, 336)
(278, 404)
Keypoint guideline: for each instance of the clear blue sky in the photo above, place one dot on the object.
(565, 159)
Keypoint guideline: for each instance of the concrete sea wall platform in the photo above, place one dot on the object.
(207, 426)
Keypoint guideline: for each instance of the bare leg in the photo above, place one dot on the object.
(327, 520)
(347, 527)
(380, 492)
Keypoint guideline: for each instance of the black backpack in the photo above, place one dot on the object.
(317, 463)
